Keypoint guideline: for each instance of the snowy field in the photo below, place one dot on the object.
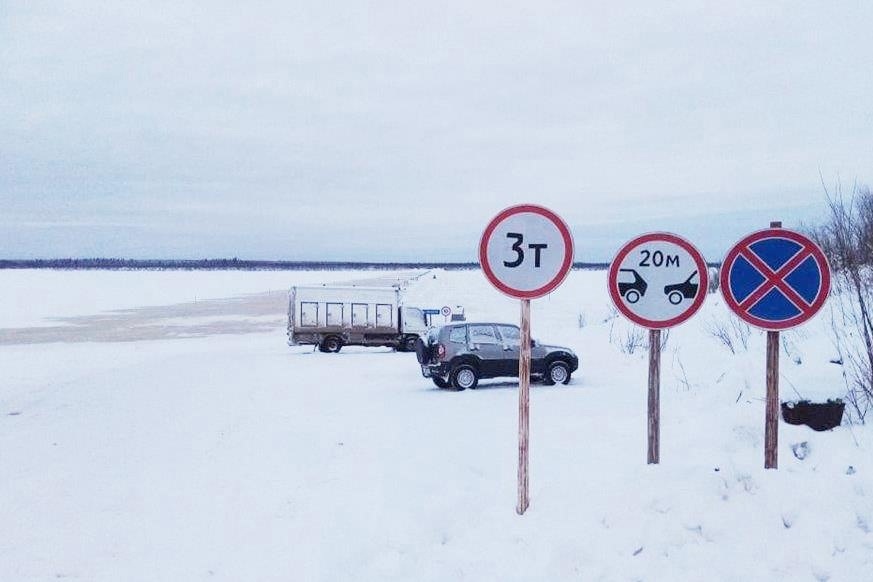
(154, 426)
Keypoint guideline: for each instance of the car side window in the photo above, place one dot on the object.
(458, 335)
(510, 334)
(483, 334)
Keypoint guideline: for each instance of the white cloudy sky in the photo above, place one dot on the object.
(396, 130)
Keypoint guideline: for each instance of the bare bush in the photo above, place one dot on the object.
(847, 239)
(633, 339)
(733, 333)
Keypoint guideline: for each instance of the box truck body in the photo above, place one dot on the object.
(333, 316)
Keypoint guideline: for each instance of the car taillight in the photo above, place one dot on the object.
(441, 351)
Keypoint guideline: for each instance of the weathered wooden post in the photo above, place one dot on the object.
(524, 409)
(654, 456)
(771, 422)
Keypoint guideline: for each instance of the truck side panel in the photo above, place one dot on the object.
(357, 315)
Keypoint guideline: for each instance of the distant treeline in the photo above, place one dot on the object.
(240, 265)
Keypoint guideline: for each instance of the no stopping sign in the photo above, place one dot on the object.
(526, 251)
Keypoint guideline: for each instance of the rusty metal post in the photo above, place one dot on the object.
(654, 423)
(523, 408)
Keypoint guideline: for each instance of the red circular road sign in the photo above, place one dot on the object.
(526, 251)
(658, 280)
(775, 279)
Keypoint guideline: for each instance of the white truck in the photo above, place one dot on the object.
(331, 317)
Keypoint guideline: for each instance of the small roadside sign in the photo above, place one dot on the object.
(775, 279)
(526, 251)
(446, 312)
(658, 280)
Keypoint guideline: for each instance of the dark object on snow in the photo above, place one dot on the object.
(800, 450)
(816, 415)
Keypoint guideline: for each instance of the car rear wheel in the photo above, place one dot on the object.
(440, 383)
(558, 373)
(465, 376)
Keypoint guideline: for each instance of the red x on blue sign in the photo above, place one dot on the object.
(775, 279)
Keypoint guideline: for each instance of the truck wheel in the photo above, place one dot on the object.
(331, 344)
(409, 344)
(465, 376)
(440, 383)
(559, 372)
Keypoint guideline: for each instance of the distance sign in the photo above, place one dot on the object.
(658, 280)
(526, 251)
(775, 279)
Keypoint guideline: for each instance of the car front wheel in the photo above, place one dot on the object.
(465, 376)
(558, 373)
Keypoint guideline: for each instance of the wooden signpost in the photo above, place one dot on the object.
(526, 251)
(657, 281)
(775, 279)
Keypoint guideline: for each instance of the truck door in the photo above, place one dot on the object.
(413, 321)
(384, 315)
(308, 314)
(334, 314)
(360, 313)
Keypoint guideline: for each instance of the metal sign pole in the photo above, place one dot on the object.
(654, 397)
(523, 408)
(771, 422)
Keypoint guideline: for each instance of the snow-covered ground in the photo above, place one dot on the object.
(190, 443)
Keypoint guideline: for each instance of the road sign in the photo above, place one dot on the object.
(526, 251)
(658, 280)
(775, 279)
(446, 311)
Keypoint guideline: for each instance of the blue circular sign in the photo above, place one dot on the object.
(775, 279)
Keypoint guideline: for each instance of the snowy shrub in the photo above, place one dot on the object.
(733, 333)
(633, 339)
(847, 240)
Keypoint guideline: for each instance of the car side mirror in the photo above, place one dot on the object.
(533, 343)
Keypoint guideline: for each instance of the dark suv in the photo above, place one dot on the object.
(458, 355)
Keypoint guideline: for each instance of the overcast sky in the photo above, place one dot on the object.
(397, 130)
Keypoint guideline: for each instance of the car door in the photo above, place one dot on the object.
(484, 343)
(510, 337)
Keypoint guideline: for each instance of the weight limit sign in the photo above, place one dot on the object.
(658, 280)
(526, 251)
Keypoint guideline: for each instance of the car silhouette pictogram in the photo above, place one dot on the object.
(632, 291)
(678, 292)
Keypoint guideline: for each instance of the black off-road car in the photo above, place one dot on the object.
(459, 355)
